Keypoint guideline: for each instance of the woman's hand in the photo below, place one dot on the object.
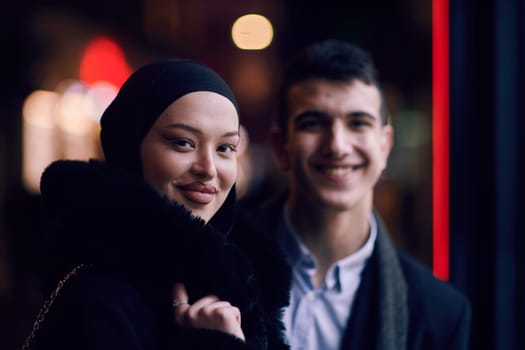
(208, 312)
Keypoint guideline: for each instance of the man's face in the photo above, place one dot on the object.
(189, 154)
(336, 146)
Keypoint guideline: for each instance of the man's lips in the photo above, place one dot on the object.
(198, 192)
(337, 171)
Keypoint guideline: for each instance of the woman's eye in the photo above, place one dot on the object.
(183, 144)
(227, 148)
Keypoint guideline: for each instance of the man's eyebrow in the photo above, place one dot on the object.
(308, 114)
(197, 131)
(362, 114)
(311, 113)
(322, 115)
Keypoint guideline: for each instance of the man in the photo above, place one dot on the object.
(351, 288)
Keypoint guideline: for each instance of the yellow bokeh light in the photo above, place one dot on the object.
(39, 139)
(252, 32)
(39, 107)
(75, 110)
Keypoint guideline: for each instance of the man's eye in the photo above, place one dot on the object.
(309, 124)
(357, 123)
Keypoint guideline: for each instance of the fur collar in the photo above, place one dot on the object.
(94, 213)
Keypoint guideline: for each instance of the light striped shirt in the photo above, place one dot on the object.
(317, 317)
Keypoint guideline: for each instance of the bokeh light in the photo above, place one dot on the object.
(252, 32)
(39, 144)
(104, 60)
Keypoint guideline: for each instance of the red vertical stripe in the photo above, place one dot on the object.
(440, 136)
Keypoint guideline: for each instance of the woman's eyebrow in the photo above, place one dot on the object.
(198, 131)
(231, 133)
(184, 127)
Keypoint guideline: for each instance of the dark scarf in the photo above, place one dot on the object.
(393, 303)
(380, 317)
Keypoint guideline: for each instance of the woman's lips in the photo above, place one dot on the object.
(198, 192)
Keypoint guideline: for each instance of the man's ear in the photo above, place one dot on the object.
(279, 148)
(387, 142)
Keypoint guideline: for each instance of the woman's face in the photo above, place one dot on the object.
(189, 154)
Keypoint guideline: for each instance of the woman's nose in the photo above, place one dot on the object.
(204, 165)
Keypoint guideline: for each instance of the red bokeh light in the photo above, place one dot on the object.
(104, 60)
(441, 137)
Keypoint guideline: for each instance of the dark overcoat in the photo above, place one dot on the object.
(399, 304)
(136, 244)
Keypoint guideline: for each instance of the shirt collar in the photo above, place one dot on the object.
(297, 253)
(354, 263)
(340, 273)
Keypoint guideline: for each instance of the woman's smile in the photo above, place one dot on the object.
(198, 192)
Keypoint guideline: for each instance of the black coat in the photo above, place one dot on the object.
(138, 244)
(399, 303)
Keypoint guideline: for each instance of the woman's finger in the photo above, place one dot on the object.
(218, 304)
(179, 293)
(180, 302)
(208, 313)
(197, 307)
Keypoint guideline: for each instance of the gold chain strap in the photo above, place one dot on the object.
(47, 305)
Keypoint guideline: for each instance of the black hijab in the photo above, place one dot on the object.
(141, 100)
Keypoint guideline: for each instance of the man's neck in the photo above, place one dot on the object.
(330, 235)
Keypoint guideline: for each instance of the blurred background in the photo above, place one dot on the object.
(63, 61)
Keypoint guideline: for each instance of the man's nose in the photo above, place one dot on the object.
(338, 141)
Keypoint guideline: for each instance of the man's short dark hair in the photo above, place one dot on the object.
(332, 60)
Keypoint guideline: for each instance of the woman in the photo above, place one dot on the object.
(143, 244)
